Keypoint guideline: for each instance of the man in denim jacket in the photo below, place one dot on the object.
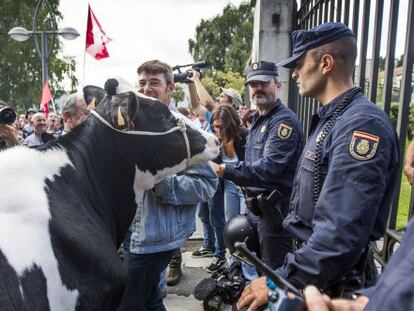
(165, 218)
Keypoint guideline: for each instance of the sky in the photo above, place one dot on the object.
(140, 30)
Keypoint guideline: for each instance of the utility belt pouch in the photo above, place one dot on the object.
(252, 205)
(265, 204)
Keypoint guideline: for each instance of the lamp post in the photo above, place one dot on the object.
(22, 34)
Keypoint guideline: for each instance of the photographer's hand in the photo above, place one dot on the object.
(9, 134)
(193, 75)
(254, 295)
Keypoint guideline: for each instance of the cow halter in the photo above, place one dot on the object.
(180, 127)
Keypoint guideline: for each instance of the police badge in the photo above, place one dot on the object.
(284, 131)
(363, 146)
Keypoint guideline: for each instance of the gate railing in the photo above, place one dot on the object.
(367, 17)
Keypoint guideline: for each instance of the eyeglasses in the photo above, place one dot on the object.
(151, 83)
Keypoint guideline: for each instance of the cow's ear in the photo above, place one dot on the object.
(133, 103)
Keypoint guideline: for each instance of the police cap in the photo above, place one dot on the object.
(305, 40)
(261, 71)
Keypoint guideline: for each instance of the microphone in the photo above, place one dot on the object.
(204, 288)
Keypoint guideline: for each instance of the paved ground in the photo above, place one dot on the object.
(180, 297)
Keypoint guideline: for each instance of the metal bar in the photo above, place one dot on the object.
(338, 10)
(364, 43)
(332, 11)
(355, 19)
(405, 98)
(320, 12)
(411, 206)
(44, 57)
(346, 12)
(390, 55)
(325, 11)
(372, 95)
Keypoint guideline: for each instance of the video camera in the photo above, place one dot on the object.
(182, 77)
(223, 288)
(7, 115)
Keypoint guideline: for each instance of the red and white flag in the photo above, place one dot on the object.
(46, 98)
(96, 39)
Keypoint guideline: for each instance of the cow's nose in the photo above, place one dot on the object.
(217, 142)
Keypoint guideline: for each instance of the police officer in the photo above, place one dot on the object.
(394, 290)
(347, 172)
(273, 148)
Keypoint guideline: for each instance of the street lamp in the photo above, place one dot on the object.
(22, 34)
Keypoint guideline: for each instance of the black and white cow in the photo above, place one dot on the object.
(64, 209)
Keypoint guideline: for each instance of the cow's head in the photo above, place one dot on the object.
(163, 142)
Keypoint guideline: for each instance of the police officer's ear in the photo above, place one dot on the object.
(327, 63)
(278, 84)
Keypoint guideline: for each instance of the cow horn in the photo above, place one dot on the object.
(121, 120)
(92, 104)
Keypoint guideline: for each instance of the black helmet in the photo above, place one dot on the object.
(239, 229)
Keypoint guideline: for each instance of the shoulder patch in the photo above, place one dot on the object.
(284, 131)
(363, 146)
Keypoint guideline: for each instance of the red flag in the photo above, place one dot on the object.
(46, 98)
(96, 39)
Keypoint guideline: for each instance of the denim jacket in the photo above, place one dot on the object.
(165, 219)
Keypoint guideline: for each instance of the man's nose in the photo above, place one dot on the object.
(294, 75)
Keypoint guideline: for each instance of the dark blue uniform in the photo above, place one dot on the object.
(358, 171)
(273, 148)
(395, 288)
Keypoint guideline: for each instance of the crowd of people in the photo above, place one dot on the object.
(333, 193)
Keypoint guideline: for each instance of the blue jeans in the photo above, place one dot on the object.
(211, 214)
(142, 290)
(233, 200)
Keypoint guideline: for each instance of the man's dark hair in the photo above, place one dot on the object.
(343, 50)
(155, 67)
(230, 118)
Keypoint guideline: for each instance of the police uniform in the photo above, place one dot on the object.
(344, 184)
(395, 288)
(273, 148)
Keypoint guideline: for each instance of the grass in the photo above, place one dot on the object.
(403, 203)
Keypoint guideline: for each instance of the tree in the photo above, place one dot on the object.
(228, 79)
(20, 65)
(225, 40)
(178, 94)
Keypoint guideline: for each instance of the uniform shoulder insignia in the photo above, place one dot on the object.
(363, 145)
(284, 131)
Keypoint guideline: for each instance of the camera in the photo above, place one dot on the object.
(7, 115)
(224, 287)
(182, 77)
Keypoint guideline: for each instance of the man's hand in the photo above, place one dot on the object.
(193, 75)
(218, 168)
(409, 162)
(315, 301)
(9, 134)
(254, 295)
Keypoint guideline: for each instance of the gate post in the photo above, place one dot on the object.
(273, 25)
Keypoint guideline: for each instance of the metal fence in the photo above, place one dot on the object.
(376, 74)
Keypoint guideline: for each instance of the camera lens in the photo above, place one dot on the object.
(7, 115)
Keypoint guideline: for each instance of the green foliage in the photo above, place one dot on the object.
(228, 79)
(394, 119)
(178, 94)
(225, 40)
(20, 65)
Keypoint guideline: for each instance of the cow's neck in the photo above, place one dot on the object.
(107, 172)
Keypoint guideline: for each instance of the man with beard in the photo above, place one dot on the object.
(273, 147)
